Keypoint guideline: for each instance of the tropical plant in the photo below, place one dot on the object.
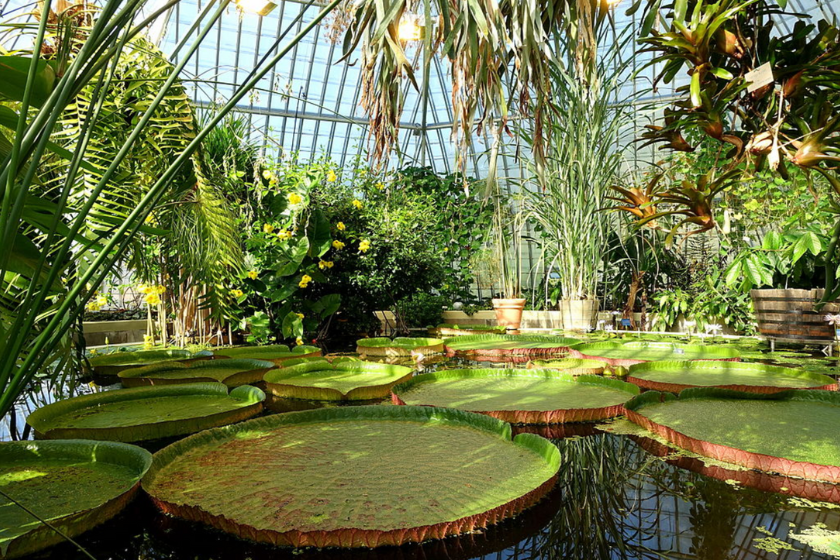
(766, 96)
(500, 55)
(51, 262)
(582, 163)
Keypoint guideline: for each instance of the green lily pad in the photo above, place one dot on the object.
(674, 376)
(114, 363)
(146, 413)
(277, 353)
(629, 353)
(72, 484)
(793, 433)
(572, 366)
(342, 380)
(519, 396)
(498, 344)
(361, 476)
(399, 346)
(232, 373)
(450, 330)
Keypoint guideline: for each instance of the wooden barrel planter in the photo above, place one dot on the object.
(790, 314)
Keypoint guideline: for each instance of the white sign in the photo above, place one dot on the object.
(760, 77)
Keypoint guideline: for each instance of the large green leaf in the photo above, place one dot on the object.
(231, 372)
(13, 73)
(749, 428)
(294, 258)
(322, 380)
(533, 396)
(374, 475)
(72, 484)
(146, 413)
(320, 238)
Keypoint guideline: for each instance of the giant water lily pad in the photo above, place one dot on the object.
(146, 413)
(73, 485)
(674, 376)
(509, 344)
(572, 366)
(361, 476)
(277, 353)
(115, 362)
(341, 380)
(630, 353)
(400, 346)
(452, 330)
(519, 396)
(232, 373)
(793, 433)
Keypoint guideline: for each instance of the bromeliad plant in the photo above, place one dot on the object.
(50, 263)
(768, 97)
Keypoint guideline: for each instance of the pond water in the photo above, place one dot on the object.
(620, 496)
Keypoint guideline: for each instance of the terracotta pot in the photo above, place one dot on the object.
(509, 312)
(579, 314)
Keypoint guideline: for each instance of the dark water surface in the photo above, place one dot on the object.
(619, 496)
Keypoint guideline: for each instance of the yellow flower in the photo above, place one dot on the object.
(380, 185)
(446, 249)
(267, 175)
(325, 264)
(252, 274)
(268, 228)
(284, 234)
(331, 176)
(153, 299)
(304, 281)
(160, 290)
(357, 203)
(236, 293)
(300, 315)
(340, 226)
(364, 246)
(150, 219)
(143, 289)
(299, 341)
(94, 352)
(338, 245)
(148, 338)
(295, 198)
(101, 301)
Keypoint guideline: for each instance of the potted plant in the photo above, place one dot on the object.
(765, 98)
(566, 202)
(507, 251)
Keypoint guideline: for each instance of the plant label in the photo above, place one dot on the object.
(760, 77)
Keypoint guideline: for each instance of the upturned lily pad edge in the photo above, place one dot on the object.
(585, 351)
(252, 396)
(827, 383)
(349, 537)
(76, 523)
(273, 381)
(528, 417)
(734, 455)
(563, 345)
(143, 376)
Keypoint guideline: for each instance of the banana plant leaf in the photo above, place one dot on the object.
(340, 380)
(231, 372)
(635, 352)
(503, 344)
(146, 413)
(400, 346)
(519, 396)
(74, 485)
(277, 353)
(356, 476)
(114, 363)
(674, 376)
(792, 433)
